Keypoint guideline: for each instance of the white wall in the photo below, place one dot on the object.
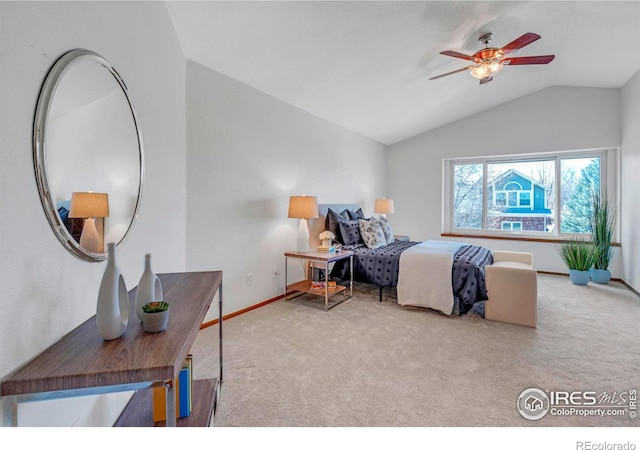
(630, 217)
(101, 156)
(554, 119)
(46, 291)
(248, 152)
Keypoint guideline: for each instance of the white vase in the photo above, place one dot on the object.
(112, 311)
(149, 288)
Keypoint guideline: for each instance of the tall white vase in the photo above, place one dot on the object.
(112, 312)
(149, 288)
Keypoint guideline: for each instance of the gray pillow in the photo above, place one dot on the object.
(372, 233)
(332, 223)
(386, 229)
(356, 215)
(350, 231)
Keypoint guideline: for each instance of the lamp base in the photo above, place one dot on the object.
(302, 239)
(89, 239)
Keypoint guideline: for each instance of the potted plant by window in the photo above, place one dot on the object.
(603, 224)
(155, 316)
(578, 255)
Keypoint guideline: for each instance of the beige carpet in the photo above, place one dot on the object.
(371, 364)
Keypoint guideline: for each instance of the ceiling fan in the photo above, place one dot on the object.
(490, 60)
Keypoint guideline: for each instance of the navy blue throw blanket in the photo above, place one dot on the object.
(378, 266)
(467, 276)
(381, 266)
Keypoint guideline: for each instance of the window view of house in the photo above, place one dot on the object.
(521, 195)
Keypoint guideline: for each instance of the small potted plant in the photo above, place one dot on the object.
(155, 316)
(578, 255)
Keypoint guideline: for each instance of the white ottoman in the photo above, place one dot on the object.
(512, 288)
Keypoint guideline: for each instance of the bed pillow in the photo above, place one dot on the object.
(350, 231)
(332, 222)
(372, 233)
(386, 229)
(356, 215)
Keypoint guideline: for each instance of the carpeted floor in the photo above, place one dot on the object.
(371, 364)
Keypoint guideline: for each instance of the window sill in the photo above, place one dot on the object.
(555, 240)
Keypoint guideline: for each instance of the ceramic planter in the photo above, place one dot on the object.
(600, 276)
(579, 277)
(155, 322)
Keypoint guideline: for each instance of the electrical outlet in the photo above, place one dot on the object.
(275, 272)
(249, 279)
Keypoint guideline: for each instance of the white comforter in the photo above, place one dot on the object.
(424, 277)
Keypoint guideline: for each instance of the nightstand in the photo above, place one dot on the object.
(322, 259)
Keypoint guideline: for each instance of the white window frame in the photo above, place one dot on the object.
(609, 179)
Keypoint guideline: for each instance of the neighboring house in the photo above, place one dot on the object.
(519, 204)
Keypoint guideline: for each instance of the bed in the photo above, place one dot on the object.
(442, 275)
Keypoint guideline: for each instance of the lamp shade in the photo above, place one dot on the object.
(89, 204)
(384, 206)
(303, 207)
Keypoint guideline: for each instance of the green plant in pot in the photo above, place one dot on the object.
(155, 316)
(578, 255)
(603, 224)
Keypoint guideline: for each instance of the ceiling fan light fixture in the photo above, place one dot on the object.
(491, 60)
(486, 69)
(480, 71)
(495, 66)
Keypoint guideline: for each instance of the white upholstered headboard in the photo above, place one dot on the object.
(317, 226)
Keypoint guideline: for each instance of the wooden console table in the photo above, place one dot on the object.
(82, 363)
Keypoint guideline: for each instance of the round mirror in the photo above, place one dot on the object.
(88, 154)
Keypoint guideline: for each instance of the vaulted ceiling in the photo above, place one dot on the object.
(365, 65)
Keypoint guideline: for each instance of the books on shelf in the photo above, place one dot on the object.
(318, 286)
(182, 389)
(323, 249)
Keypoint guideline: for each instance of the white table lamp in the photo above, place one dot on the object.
(88, 206)
(303, 207)
(384, 206)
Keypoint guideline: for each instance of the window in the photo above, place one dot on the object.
(545, 195)
(511, 226)
(580, 178)
(467, 196)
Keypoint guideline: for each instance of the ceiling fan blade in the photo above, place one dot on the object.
(545, 59)
(450, 73)
(458, 55)
(522, 41)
